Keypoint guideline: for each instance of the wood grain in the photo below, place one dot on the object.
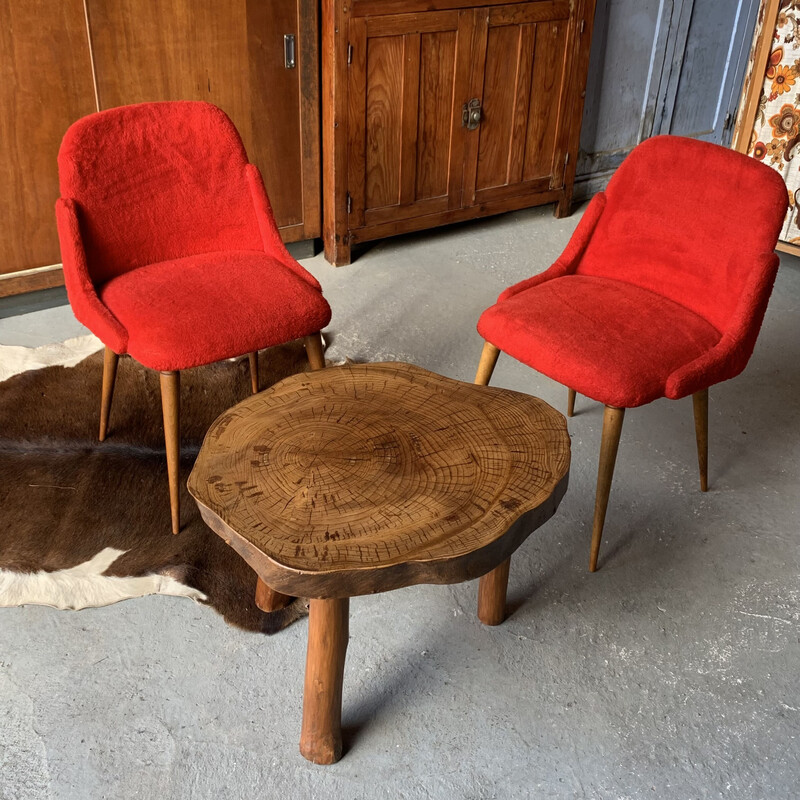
(365, 478)
(545, 101)
(47, 84)
(335, 130)
(30, 281)
(503, 57)
(397, 158)
(384, 115)
(230, 53)
(328, 627)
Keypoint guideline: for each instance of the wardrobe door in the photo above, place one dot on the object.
(47, 84)
(258, 61)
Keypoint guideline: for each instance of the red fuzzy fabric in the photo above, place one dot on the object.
(169, 245)
(664, 285)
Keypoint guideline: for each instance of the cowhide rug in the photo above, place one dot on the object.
(85, 523)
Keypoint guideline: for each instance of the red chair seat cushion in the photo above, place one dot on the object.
(203, 308)
(609, 340)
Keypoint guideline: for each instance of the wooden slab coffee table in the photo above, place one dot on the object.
(369, 477)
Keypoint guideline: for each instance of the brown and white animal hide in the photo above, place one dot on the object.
(85, 523)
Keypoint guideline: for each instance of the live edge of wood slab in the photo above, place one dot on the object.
(364, 478)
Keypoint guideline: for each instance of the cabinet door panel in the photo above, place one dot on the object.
(435, 112)
(407, 81)
(47, 85)
(523, 92)
(230, 53)
(540, 141)
(385, 62)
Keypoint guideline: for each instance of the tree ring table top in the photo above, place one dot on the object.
(363, 478)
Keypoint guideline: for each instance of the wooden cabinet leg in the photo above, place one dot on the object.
(253, 359)
(321, 737)
(571, 403)
(337, 253)
(171, 408)
(487, 363)
(700, 400)
(612, 428)
(110, 361)
(268, 599)
(492, 595)
(315, 351)
(564, 206)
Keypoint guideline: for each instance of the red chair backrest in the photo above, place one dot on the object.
(157, 181)
(687, 220)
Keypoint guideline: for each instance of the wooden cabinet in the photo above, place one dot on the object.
(442, 113)
(230, 53)
(90, 55)
(47, 84)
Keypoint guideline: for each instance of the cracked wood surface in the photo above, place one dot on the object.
(368, 477)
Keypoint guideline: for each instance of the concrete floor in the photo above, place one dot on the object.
(673, 672)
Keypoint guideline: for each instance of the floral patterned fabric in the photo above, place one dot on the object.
(776, 133)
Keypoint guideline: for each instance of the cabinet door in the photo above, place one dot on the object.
(521, 79)
(230, 53)
(47, 84)
(407, 79)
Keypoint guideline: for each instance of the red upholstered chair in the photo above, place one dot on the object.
(660, 292)
(171, 253)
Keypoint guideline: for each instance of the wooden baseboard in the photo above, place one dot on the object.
(31, 280)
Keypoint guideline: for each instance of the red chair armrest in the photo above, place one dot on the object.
(730, 355)
(568, 260)
(86, 305)
(270, 236)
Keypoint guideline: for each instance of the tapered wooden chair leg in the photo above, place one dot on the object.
(571, 403)
(700, 400)
(487, 363)
(267, 599)
(171, 407)
(110, 361)
(321, 737)
(253, 359)
(492, 595)
(315, 351)
(612, 427)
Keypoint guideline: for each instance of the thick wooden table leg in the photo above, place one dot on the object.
(321, 737)
(492, 595)
(268, 599)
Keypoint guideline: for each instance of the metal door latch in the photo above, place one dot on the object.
(471, 114)
(289, 55)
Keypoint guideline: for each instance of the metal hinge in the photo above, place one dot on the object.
(349, 54)
(349, 203)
